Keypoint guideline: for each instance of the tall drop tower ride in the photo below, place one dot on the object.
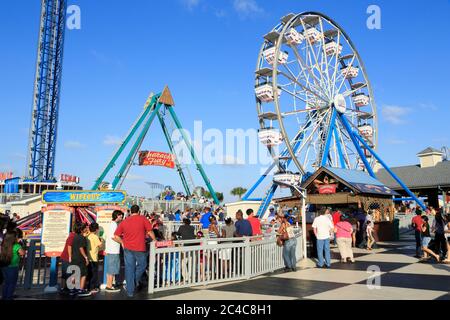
(46, 92)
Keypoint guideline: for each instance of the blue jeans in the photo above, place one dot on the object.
(290, 261)
(10, 276)
(321, 246)
(418, 237)
(135, 265)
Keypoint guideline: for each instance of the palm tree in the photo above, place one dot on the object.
(238, 191)
(219, 195)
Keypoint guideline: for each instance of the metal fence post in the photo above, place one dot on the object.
(29, 265)
(247, 258)
(151, 268)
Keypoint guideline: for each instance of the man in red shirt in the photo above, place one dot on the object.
(336, 218)
(416, 223)
(254, 222)
(131, 234)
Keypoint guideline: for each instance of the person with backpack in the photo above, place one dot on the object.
(10, 255)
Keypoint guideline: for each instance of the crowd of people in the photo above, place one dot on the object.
(426, 247)
(130, 236)
(344, 230)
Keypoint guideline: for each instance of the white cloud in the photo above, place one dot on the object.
(428, 106)
(112, 140)
(133, 177)
(247, 7)
(18, 155)
(72, 144)
(220, 13)
(190, 4)
(395, 114)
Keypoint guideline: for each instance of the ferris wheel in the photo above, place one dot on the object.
(314, 101)
(308, 71)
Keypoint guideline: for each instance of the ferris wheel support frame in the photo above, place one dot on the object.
(356, 138)
(331, 127)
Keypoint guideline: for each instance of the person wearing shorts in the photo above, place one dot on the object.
(80, 258)
(426, 238)
(113, 253)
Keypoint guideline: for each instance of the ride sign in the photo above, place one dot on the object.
(55, 229)
(84, 197)
(152, 158)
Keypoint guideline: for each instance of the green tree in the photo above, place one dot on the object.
(239, 192)
(219, 195)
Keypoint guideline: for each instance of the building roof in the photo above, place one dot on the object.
(429, 150)
(416, 177)
(354, 176)
(357, 180)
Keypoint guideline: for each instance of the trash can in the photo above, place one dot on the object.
(396, 229)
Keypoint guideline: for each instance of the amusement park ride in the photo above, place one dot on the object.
(315, 104)
(157, 106)
(43, 130)
(47, 85)
(314, 101)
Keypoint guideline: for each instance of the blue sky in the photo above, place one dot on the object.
(206, 51)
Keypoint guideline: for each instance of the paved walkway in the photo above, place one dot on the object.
(401, 277)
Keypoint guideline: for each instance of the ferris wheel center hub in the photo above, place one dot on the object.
(340, 103)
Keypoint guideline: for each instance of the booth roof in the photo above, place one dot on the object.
(359, 181)
(354, 176)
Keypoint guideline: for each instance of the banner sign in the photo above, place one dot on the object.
(5, 176)
(153, 158)
(69, 178)
(55, 229)
(84, 197)
(327, 188)
(164, 244)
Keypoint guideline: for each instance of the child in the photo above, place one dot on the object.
(94, 245)
(80, 259)
(426, 238)
(10, 255)
(173, 264)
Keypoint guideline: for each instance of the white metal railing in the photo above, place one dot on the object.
(172, 205)
(207, 261)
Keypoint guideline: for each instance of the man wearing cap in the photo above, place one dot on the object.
(272, 215)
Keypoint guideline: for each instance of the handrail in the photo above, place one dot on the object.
(189, 263)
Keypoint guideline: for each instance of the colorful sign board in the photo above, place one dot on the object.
(79, 198)
(55, 229)
(69, 178)
(152, 158)
(5, 176)
(327, 188)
